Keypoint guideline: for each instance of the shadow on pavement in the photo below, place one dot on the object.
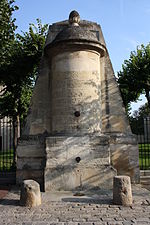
(13, 202)
(88, 200)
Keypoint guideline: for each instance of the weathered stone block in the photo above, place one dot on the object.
(30, 163)
(122, 193)
(125, 155)
(30, 193)
(30, 151)
(123, 139)
(78, 161)
(64, 151)
(70, 178)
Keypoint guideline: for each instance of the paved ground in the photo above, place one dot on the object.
(66, 209)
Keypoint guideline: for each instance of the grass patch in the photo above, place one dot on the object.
(144, 156)
(7, 160)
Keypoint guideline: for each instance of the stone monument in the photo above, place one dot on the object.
(77, 135)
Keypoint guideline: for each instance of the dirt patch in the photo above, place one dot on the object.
(3, 191)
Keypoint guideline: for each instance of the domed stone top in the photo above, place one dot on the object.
(76, 33)
(74, 18)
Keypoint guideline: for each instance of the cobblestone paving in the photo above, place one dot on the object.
(92, 209)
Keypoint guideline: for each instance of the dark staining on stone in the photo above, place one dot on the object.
(78, 159)
(78, 128)
(75, 33)
(77, 113)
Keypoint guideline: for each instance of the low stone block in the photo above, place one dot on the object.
(69, 178)
(30, 194)
(122, 194)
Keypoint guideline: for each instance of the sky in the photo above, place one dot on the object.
(125, 23)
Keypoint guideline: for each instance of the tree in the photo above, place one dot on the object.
(19, 71)
(7, 28)
(136, 120)
(134, 78)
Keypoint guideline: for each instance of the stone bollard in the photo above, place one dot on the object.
(122, 193)
(30, 195)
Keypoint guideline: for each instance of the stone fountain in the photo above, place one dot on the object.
(77, 136)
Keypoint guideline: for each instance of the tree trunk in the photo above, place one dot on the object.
(16, 135)
(16, 131)
(147, 95)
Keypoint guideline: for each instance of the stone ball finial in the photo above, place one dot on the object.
(74, 18)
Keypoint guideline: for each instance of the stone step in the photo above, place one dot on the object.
(144, 173)
(145, 179)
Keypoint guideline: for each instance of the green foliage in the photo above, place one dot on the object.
(144, 153)
(134, 79)
(7, 160)
(136, 120)
(20, 68)
(7, 27)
